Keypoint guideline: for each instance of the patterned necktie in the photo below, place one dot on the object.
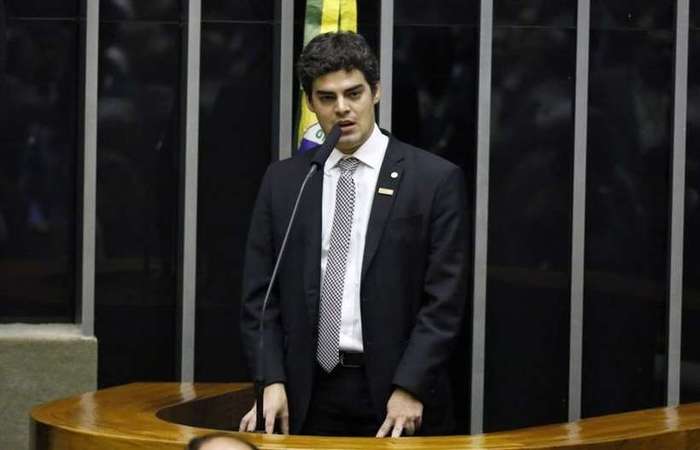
(334, 277)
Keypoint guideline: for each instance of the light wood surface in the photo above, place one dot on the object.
(153, 416)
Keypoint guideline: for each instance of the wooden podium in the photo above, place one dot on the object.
(160, 416)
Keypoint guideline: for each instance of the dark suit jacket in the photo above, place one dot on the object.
(413, 281)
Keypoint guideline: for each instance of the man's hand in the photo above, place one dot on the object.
(275, 406)
(404, 412)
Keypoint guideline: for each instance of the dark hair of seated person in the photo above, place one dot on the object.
(199, 442)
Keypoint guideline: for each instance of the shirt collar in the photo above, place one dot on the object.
(370, 153)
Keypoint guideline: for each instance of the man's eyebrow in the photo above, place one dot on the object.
(355, 88)
(350, 89)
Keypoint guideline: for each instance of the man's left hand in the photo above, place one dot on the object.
(404, 413)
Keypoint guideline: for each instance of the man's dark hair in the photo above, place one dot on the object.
(330, 52)
(198, 442)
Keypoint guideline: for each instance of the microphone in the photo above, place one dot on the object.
(327, 147)
(317, 163)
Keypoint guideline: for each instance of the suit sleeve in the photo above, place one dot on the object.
(444, 291)
(259, 261)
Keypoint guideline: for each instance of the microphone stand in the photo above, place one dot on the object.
(260, 366)
(317, 162)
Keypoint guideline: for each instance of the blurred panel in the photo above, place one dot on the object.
(3, 41)
(38, 163)
(434, 98)
(558, 13)
(367, 16)
(627, 204)
(528, 298)
(444, 12)
(434, 107)
(137, 197)
(236, 126)
(162, 10)
(690, 354)
(244, 10)
(644, 14)
(42, 8)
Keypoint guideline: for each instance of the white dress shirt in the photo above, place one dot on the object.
(371, 155)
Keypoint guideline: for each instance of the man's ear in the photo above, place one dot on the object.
(309, 104)
(377, 93)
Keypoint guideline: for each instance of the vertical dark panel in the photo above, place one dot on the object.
(38, 160)
(434, 107)
(137, 195)
(368, 21)
(529, 250)
(627, 202)
(690, 345)
(140, 10)
(443, 13)
(42, 9)
(3, 41)
(239, 10)
(633, 14)
(545, 13)
(236, 126)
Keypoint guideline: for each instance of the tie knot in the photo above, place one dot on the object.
(348, 165)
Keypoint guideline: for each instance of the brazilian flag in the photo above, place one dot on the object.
(322, 16)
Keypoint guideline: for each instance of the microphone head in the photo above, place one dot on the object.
(327, 147)
(333, 136)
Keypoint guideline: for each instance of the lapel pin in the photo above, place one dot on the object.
(394, 175)
(385, 191)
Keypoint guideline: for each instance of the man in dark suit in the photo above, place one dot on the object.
(371, 290)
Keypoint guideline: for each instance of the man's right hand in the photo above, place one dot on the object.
(275, 406)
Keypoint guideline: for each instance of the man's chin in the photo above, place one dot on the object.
(347, 145)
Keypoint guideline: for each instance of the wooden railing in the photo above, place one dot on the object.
(159, 416)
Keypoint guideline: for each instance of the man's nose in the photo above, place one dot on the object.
(341, 106)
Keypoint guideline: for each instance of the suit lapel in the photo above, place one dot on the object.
(387, 190)
(312, 230)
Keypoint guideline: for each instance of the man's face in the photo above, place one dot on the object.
(345, 97)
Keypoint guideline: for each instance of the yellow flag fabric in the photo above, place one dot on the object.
(322, 16)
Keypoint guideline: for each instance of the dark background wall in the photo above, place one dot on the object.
(628, 199)
(530, 213)
(38, 157)
(236, 119)
(138, 129)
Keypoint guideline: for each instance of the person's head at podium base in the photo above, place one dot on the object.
(219, 441)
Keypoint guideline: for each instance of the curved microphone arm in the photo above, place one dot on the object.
(318, 161)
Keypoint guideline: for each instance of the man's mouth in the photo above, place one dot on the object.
(346, 126)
